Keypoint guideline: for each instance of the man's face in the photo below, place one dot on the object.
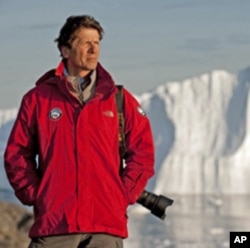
(83, 55)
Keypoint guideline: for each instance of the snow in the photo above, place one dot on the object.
(6, 121)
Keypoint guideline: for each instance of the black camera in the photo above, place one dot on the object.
(156, 204)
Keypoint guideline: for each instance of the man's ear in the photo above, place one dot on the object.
(65, 52)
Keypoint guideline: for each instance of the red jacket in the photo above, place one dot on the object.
(63, 158)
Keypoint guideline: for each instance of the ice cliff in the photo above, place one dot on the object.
(201, 130)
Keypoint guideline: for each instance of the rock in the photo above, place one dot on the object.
(14, 226)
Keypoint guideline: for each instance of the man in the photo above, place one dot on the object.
(62, 155)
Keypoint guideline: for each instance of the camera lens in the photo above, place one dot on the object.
(160, 205)
(156, 204)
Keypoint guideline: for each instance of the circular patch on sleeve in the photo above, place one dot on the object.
(141, 111)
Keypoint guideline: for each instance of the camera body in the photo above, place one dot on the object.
(156, 204)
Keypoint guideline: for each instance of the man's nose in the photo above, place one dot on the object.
(92, 47)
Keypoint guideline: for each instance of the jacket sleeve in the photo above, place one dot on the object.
(20, 155)
(139, 157)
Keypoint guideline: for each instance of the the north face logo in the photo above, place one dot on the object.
(108, 113)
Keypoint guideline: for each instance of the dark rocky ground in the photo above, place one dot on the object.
(15, 222)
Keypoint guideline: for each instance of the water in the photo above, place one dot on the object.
(8, 195)
(192, 222)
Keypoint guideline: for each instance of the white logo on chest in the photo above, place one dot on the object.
(55, 114)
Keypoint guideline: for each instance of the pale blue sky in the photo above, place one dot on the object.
(146, 42)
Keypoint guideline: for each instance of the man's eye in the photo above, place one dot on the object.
(89, 43)
(83, 43)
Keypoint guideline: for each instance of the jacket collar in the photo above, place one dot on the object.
(105, 84)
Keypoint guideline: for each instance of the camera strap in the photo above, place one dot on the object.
(160, 203)
(121, 136)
